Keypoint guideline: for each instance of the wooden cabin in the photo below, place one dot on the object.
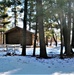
(14, 36)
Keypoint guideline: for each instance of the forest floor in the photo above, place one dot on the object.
(27, 65)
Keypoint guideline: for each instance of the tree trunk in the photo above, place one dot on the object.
(35, 32)
(55, 40)
(15, 13)
(35, 40)
(67, 42)
(69, 29)
(30, 20)
(72, 44)
(51, 41)
(43, 53)
(66, 32)
(24, 29)
(47, 40)
(61, 35)
(61, 52)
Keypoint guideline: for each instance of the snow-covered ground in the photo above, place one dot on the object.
(27, 65)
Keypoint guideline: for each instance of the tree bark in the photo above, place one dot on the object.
(35, 40)
(66, 31)
(61, 52)
(15, 13)
(47, 40)
(55, 40)
(43, 53)
(72, 44)
(24, 29)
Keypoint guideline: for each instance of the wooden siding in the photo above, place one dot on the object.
(1, 37)
(15, 37)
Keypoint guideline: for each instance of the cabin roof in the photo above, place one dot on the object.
(16, 28)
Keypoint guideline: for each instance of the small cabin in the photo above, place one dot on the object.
(14, 36)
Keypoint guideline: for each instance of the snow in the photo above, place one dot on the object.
(27, 65)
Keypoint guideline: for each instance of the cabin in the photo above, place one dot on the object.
(14, 36)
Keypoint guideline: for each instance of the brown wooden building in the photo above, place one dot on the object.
(14, 36)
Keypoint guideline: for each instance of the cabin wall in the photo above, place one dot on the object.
(15, 37)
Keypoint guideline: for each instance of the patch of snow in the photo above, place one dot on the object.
(27, 65)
